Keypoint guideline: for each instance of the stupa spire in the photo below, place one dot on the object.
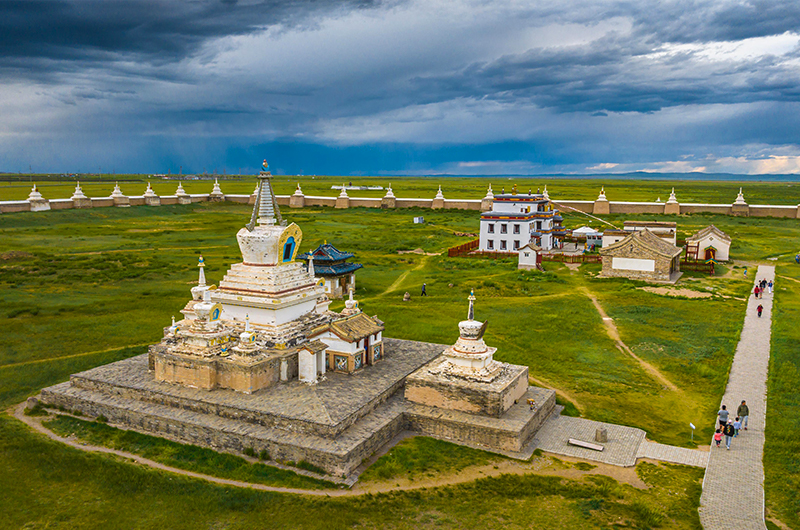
(265, 209)
(489, 193)
(471, 310)
(201, 280)
(311, 264)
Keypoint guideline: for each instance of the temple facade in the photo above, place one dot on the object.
(331, 268)
(517, 219)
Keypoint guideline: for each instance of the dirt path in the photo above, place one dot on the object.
(537, 465)
(84, 354)
(395, 284)
(613, 333)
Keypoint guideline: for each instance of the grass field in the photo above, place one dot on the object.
(723, 192)
(79, 287)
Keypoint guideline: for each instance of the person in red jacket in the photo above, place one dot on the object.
(760, 308)
(756, 291)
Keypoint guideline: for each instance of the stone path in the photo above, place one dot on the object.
(734, 481)
(672, 454)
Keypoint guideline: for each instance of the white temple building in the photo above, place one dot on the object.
(517, 219)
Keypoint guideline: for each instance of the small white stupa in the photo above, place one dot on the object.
(602, 196)
(149, 191)
(740, 198)
(216, 192)
(117, 192)
(298, 191)
(35, 195)
(470, 357)
(78, 193)
(350, 305)
(180, 191)
(545, 194)
(672, 199)
(389, 192)
(201, 287)
(344, 194)
(439, 194)
(489, 193)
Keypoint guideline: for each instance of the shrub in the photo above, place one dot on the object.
(263, 455)
(101, 419)
(249, 451)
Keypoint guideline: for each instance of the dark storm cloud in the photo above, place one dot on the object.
(36, 33)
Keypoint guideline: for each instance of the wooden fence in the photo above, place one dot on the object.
(461, 250)
(572, 258)
(698, 266)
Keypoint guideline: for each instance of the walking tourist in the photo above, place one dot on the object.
(736, 426)
(770, 286)
(425, 292)
(729, 432)
(723, 416)
(743, 412)
(760, 308)
(756, 291)
(745, 269)
(718, 436)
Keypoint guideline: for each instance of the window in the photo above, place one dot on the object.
(503, 228)
(527, 254)
(288, 249)
(538, 225)
(516, 229)
(490, 244)
(503, 245)
(491, 228)
(516, 245)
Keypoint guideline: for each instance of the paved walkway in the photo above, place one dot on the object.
(733, 488)
(672, 454)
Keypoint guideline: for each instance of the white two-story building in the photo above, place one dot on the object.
(518, 219)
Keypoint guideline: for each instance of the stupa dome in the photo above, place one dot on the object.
(269, 245)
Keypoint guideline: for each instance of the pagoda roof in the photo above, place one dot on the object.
(335, 269)
(326, 252)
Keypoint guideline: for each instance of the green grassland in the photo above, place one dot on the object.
(782, 447)
(723, 192)
(82, 288)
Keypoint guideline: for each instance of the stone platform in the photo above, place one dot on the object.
(334, 424)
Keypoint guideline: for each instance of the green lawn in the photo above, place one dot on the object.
(79, 287)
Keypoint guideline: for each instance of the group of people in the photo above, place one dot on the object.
(730, 427)
(762, 286)
(758, 292)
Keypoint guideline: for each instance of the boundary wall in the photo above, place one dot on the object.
(598, 207)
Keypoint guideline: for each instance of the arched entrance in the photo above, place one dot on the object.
(711, 253)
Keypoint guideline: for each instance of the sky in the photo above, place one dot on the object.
(400, 87)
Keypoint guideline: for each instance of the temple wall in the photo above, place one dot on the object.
(614, 207)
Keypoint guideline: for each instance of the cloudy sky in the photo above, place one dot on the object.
(400, 87)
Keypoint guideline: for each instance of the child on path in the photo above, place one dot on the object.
(723, 416)
(736, 426)
(729, 432)
(743, 412)
(718, 437)
(760, 308)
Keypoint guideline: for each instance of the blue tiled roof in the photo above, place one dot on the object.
(336, 269)
(326, 252)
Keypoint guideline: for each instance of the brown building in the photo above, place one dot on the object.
(642, 255)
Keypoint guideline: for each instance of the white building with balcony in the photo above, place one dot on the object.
(518, 219)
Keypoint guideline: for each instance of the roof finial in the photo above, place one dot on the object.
(311, 263)
(201, 281)
(602, 196)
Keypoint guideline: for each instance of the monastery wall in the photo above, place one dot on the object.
(595, 207)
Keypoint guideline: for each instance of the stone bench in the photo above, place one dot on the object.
(587, 445)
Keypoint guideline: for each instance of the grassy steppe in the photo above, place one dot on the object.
(79, 287)
(617, 189)
(782, 447)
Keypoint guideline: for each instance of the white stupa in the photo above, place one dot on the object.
(78, 193)
(35, 195)
(149, 191)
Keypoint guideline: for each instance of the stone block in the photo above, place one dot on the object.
(741, 210)
(152, 201)
(475, 397)
(672, 208)
(487, 205)
(342, 202)
(297, 201)
(601, 208)
(389, 202)
(601, 435)
(84, 202)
